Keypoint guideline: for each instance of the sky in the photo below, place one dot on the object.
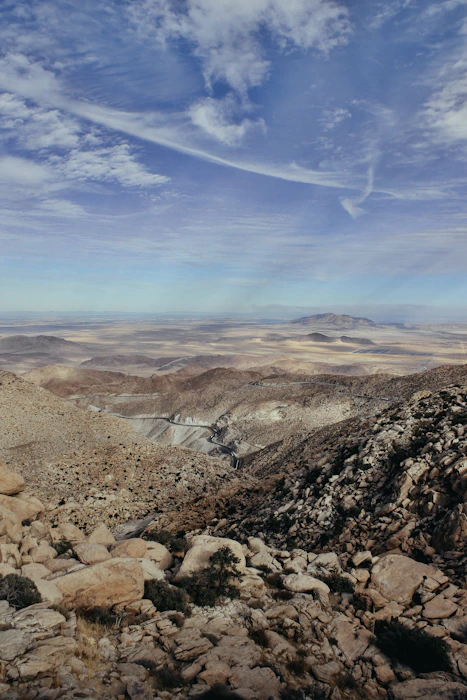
(232, 156)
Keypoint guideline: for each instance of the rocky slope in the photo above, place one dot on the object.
(88, 466)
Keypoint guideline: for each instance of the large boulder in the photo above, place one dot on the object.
(134, 548)
(101, 535)
(202, 547)
(25, 507)
(158, 554)
(10, 525)
(397, 577)
(68, 532)
(427, 689)
(302, 583)
(106, 584)
(91, 553)
(11, 483)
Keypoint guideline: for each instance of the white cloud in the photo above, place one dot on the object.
(446, 110)
(225, 34)
(352, 205)
(20, 172)
(36, 127)
(332, 117)
(215, 118)
(115, 163)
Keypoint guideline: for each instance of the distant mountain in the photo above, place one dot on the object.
(18, 344)
(338, 321)
(356, 341)
(321, 338)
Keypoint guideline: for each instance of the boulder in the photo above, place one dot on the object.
(11, 483)
(397, 577)
(302, 583)
(10, 525)
(427, 689)
(47, 657)
(134, 548)
(49, 591)
(25, 507)
(91, 553)
(70, 533)
(35, 571)
(439, 607)
(202, 547)
(101, 535)
(107, 584)
(262, 680)
(352, 640)
(42, 552)
(13, 643)
(159, 554)
(151, 571)
(190, 644)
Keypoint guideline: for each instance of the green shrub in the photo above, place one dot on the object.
(98, 615)
(19, 591)
(338, 583)
(165, 597)
(412, 647)
(62, 547)
(316, 691)
(216, 580)
(174, 543)
(168, 678)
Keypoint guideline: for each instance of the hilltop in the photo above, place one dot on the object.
(18, 344)
(338, 321)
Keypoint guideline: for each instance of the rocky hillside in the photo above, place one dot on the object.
(88, 466)
(393, 482)
(84, 615)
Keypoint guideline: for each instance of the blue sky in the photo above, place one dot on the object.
(230, 155)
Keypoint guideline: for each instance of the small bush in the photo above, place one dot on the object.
(412, 647)
(216, 580)
(174, 543)
(297, 666)
(98, 616)
(19, 591)
(166, 597)
(62, 547)
(317, 691)
(282, 594)
(274, 580)
(338, 583)
(168, 678)
(259, 637)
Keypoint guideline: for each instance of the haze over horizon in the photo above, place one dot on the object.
(225, 156)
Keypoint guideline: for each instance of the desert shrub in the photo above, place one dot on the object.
(98, 615)
(62, 547)
(259, 636)
(316, 691)
(338, 583)
(412, 647)
(19, 591)
(297, 666)
(274, 580)
(166, 597)
(177, 619)
(174, 543)
(168, 678)
(216, 580)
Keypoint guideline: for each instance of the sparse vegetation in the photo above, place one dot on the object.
(174, 543)
(165, 597)
(19, 591)
(317, 691)
(98, 616)
(62, 547)
(413, 647)
(168, 678)
(216, 580)
(338, 583)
